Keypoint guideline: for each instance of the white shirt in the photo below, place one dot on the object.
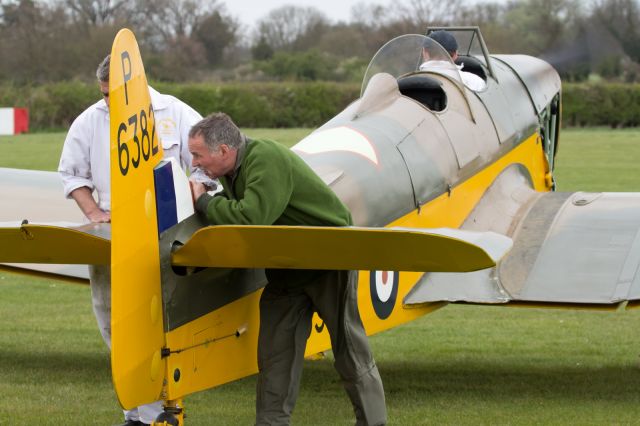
(472, 81)
(85, 155)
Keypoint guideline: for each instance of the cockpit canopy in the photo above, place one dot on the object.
(405, 55)
(471, 49)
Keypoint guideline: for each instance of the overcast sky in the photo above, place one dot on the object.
(250, 11)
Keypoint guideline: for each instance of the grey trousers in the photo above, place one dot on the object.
(100, 281)
(285, 325)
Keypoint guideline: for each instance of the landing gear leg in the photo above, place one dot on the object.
(173, 414)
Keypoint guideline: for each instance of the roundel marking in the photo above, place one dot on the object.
(341, 138)
(383, 286)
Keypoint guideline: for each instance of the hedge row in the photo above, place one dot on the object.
(299, 104)
(610, 104)
(250, 104)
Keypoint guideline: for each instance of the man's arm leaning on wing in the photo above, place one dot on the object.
(88, 205)
(75, 171)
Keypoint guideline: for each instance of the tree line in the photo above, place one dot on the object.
(200, 41)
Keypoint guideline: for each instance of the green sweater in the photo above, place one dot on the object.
(273, 186)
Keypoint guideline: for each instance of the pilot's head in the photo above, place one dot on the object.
(103, 77)
(443, 38)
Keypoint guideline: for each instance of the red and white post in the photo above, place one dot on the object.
(14, 121)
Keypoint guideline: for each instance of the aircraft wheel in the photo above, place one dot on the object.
(166, 419)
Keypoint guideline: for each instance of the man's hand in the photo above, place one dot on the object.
(197, 189)
(99, 216)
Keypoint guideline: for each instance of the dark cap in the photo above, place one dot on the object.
(445, 40)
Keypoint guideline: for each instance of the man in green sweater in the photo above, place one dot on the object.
(265, 183)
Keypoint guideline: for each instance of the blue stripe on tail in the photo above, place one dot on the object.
(166, 207)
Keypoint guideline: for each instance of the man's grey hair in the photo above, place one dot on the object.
(217, 129)
(103, 70)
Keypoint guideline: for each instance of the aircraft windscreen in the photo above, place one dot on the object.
(408, 54)
(469, 44)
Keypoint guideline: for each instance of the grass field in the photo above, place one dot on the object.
(460, 365)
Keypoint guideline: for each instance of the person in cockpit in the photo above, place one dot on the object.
(434, 59)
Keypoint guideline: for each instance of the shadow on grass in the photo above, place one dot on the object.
(499, 381)
(436, 378)
(417, 392)
(474, 380)
(54, 367)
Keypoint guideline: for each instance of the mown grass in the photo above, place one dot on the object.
(460, 365)
(598, 159)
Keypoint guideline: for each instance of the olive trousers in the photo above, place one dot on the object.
(285, 325)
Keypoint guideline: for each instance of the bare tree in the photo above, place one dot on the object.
(418, 14)
(291, 27)
(182, 36)
(368, 15)
(622, 19)
(34, 40)
(217, 33)
(163, 21)
(95, 12)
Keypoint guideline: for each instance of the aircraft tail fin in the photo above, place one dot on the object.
(136, 298)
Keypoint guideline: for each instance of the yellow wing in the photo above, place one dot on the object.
(300, 247)
(86, 244)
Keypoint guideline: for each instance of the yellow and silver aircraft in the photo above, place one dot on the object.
(451, 191)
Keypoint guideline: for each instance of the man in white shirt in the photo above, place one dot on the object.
(433, 60)
(85, 167)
